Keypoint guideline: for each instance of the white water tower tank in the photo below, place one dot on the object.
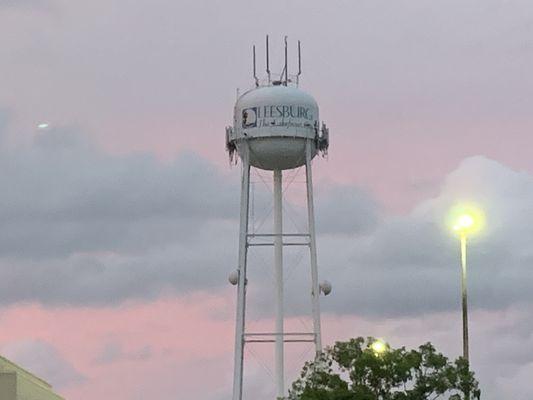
(275, 121)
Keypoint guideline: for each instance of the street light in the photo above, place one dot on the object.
(466, 220)
(379, 347)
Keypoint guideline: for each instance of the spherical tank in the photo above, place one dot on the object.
(275, 122)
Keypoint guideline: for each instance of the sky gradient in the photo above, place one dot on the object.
(119, 221)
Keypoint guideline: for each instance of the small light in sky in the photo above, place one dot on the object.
(43, 125)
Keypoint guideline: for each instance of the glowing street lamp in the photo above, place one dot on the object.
(379, 347)
(466, 220)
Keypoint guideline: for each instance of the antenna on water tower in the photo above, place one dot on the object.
(255, 74)
(286, 64)
(267, 60)
(299, 64)
(276, 128)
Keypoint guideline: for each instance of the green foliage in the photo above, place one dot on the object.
(353, 370)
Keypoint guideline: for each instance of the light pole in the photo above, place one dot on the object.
(467, 220)
(464, 297)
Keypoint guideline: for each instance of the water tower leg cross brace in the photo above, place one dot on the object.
(246, 240)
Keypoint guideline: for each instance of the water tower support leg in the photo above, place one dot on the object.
(241, 289)
(278, 273)
(315, 291)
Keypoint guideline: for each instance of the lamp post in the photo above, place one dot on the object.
(464, 297)
(467, 220)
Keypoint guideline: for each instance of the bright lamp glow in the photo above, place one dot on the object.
(379, 347)
(466, 219)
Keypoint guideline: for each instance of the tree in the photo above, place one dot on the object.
(361, 370)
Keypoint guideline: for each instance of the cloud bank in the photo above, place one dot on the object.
(82, 226)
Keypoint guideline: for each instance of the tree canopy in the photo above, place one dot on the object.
(362, 369)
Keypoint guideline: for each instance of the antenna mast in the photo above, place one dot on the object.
(267, 60)
(299, 64)
(255, 74)
(286, 64)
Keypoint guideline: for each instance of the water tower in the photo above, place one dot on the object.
(276, 127)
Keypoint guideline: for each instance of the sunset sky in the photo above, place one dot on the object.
(119, 209)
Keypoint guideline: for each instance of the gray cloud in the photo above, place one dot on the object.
(93, 227)
(99, 228)
(67, 196)
(410, 264)
(407, 265)
(345, 210)
(43, 360)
